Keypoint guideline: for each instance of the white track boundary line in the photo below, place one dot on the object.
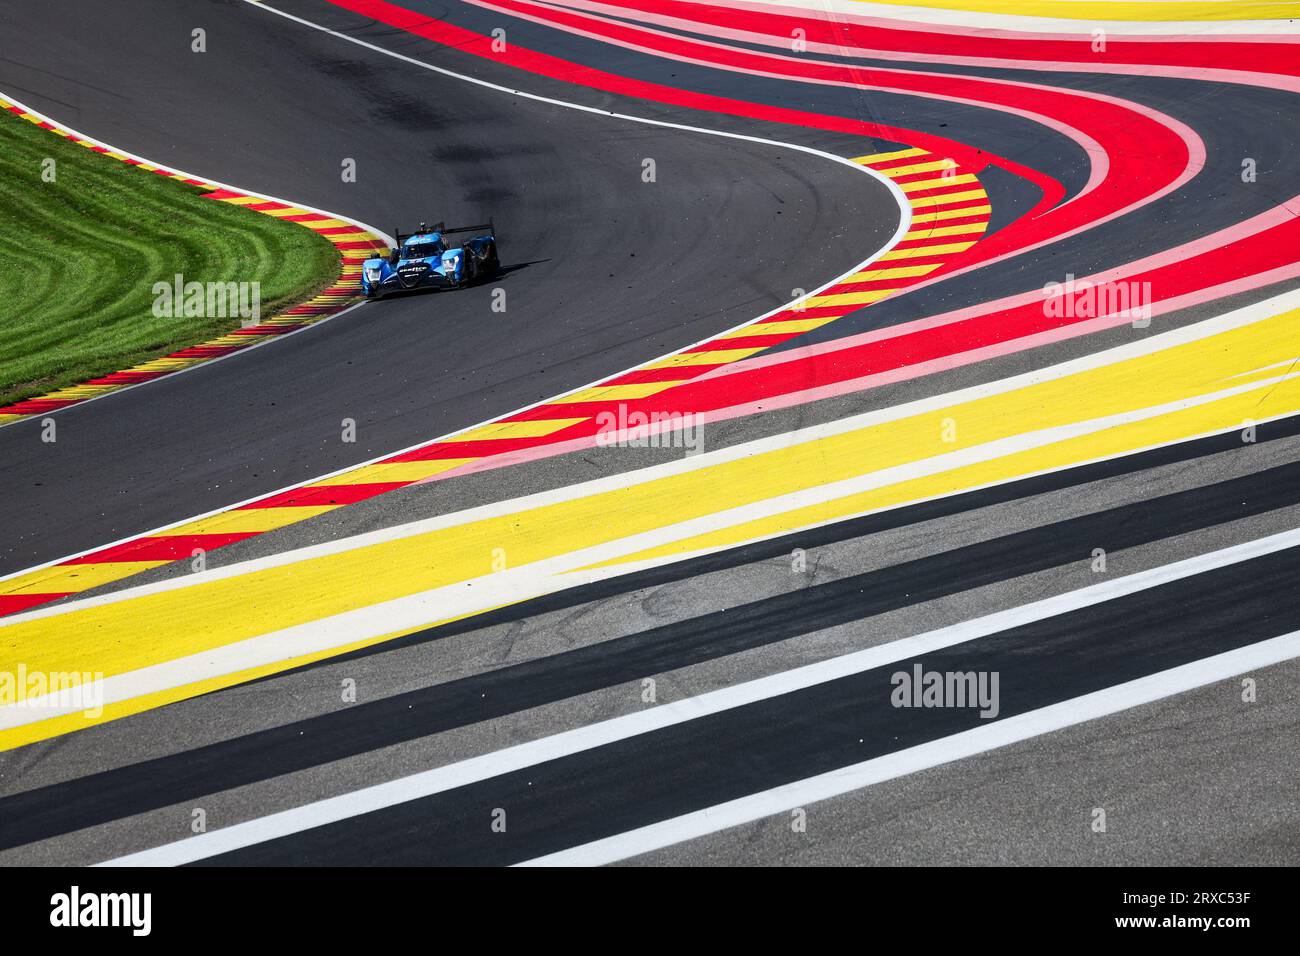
(466, 598)
(900, 199)
(391, 618)
(484, 767)
(1182, 335)
(1021, 727)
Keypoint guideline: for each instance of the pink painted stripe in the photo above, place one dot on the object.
(1271, 218)
(879, 379)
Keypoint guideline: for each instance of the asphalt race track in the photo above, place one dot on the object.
(583, 242)
(495, 637)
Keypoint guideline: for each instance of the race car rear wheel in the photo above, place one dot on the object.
(490, 261)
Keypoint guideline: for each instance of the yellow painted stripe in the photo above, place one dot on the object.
(851, 298)
(893, 172)
(784, 327)
(78, 396)
(240, 520)
(713, 357)
(287, 211)
(919, 251)
(898, 272)
(1121, 10)
(927, 202)
(616, 393)
(925, 184)
(1116, 441)
(394, 471)
(887, 157)
(159, 364)
(951, 214)
(217, 612)
(68, 723)
(75, 577)
(934, 232)
(533, 428)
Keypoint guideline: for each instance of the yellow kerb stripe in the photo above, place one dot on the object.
(616, 393)
(75, 577)
(715, 357)
(394, 471)
(533, 428)
(925, 184)
(783, 327)
(919, 251)
(895, 171)
(851, 298)
(933, 232)
(951, 214)
(887, 157)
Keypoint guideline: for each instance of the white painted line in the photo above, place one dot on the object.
(465, 598)
(1001, 733)
(529, 754)
(398, 616)
(900, 199)
(1194, 332)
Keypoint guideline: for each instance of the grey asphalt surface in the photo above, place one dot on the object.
(1200, 778)
(1266, 738)
(604, 271)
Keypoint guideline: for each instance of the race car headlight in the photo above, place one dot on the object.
(374, 273)
(451, 263)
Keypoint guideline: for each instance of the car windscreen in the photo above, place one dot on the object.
(422, 250)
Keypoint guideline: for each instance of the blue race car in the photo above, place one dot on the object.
(425, 259)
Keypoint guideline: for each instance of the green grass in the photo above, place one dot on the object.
(79, 257)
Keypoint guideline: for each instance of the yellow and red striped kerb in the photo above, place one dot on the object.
(950, 212)
(353, 242)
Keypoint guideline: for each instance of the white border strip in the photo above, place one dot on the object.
(900, 199)
(465, 598)
(1183, 335)
(1021, 727)
(476, 769)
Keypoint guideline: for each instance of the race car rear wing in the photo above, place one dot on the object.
(442, 228)
(484, 227)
